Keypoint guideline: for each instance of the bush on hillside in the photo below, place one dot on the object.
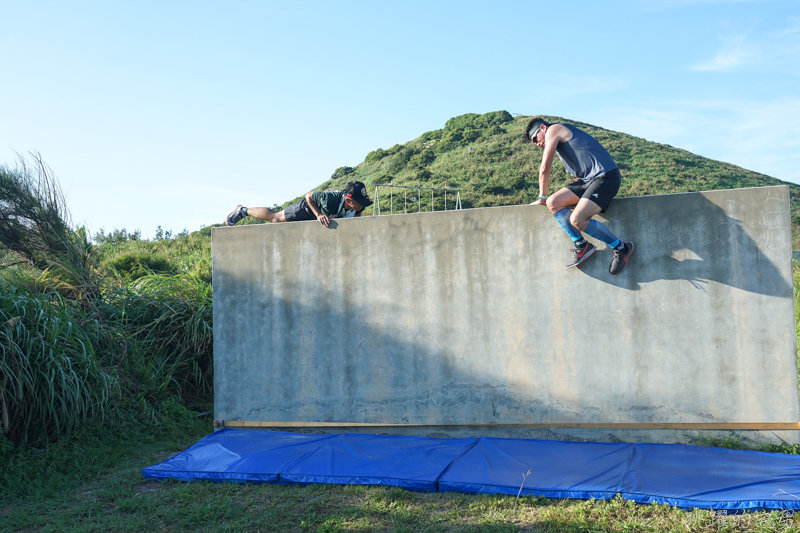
(423, 175)
(375, 155)
(422, 159)
(450, 141)
(342, 172)
(471, 135)
(429, 136)
(479, 122)
(400, 160)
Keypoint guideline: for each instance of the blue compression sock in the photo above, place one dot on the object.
(599, 231)
(563, 220)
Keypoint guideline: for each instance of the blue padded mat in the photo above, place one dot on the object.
(557, 469)
(686, 476)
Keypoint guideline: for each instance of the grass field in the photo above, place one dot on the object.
(93, 482)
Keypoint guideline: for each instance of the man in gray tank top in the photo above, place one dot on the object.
(596, 182)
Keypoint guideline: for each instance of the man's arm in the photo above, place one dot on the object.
(322, 217)
(555, 134)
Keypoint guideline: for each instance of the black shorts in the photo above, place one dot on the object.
(600, 190)
(299, 211)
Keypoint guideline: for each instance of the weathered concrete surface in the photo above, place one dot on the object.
(469, 317)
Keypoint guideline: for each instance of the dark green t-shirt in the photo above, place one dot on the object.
(331, 203)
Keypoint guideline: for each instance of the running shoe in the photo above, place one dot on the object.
(236, 215)
(620, 260)
(579, 256)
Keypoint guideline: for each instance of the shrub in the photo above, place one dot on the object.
(460, 122)
(430, 136)
(423, 158)
(50, 378)
(470, 135)
(164, 323)
(116, 236)
(342, 172)
(375, 155)
(134, 265)
(400, 160)
(423, 175)
(450, 141)
(475, 121)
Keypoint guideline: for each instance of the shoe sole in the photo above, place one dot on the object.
(624, 261)
(584, 258)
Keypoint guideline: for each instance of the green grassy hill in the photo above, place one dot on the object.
(486, 156)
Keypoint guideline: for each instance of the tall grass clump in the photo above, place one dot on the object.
(167, 346)
(35, 230)
(78, 341)
(50, 379)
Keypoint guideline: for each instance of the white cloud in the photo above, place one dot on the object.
(734, 54)
(759, 136)
(757, 48)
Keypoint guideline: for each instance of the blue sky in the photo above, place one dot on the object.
(170, 113)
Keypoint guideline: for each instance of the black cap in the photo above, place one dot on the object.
(358, 192)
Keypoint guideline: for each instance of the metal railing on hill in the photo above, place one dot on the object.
(376, 206)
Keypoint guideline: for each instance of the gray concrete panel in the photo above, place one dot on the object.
(469, 317)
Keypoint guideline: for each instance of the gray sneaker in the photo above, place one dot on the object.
(579, 256)
(620, 260)
(236, 215)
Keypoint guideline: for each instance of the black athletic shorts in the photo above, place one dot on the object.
(600, 190)
(299, 211)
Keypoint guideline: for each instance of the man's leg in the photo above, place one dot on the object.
(265, 213)
(558, 205)
(603, 189)
(582, 218)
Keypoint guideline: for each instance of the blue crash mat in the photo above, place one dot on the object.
(557, 469)
(685, 476)
(413, 463)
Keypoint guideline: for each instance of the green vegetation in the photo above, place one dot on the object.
(486, 156)
(106, 361)
(84, 337)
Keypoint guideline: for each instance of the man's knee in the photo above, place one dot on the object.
(580, 222)
(552, 205)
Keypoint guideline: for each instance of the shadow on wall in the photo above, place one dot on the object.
(698, 243)
(335, 360)
(331, 359)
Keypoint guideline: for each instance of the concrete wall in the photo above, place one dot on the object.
(470, 318)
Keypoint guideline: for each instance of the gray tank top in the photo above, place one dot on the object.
(584, 157)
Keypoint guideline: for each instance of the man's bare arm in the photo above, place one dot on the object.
(555, 134)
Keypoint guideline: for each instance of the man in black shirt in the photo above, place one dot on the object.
(322, 206)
